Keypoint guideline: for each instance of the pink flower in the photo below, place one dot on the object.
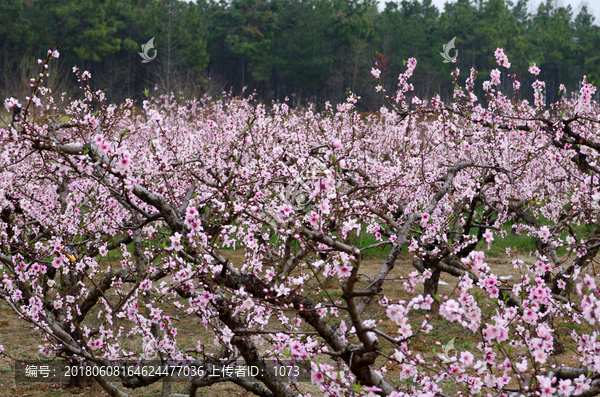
(247, 304)
(540, 356)
(96, 344)
(344, 271)
(55, 54)
(565, 387)
(534, 70)
(324, 207)
(414, 244)
(544, 233)
(412, 64)
(396, 313)
(522, 366)
(495, 75)
(375, 72)
(57, 262)
(581, 384)
(322, 185)
(282, 290)
(11, 103)
(489, 237)
(529, 315)
(270, 273)
(451, 310)
(546, 388)
(501, 58)
(466, 358)
(408, 371)
(176, 242)
(317, 377)
(285, 211)
(123, 164)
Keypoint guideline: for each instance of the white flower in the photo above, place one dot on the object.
(227, 334)
(176, 242)
(247, 304)
(596, 201)
(11, 103)
(282, 290)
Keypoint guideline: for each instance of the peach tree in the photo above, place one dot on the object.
(167, 188)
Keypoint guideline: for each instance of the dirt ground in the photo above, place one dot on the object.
(21, 341)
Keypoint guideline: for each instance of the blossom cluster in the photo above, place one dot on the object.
(128, 215)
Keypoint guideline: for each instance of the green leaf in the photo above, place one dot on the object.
(357, 387)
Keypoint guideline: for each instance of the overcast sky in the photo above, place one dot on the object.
(593, 6)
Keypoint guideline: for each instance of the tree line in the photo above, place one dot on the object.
(308, 51)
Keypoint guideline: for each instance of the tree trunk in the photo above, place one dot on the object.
(79, 381)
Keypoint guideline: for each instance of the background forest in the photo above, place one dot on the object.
(310, 51)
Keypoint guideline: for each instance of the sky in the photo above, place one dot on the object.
(593, 6)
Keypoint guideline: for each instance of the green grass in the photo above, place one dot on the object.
(522, 243)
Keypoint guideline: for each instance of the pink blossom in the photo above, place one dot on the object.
(317, 377)
(282, 290)
(534, 70)
(495, 75)
(11, 103)
(501, 58)
(176, 242)
(324, 207)
(489, 237)
(396, 313)
(544, 233)
(581, 385)
(285, 211)
(451, 310)
(466, 358)
(546, 388)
